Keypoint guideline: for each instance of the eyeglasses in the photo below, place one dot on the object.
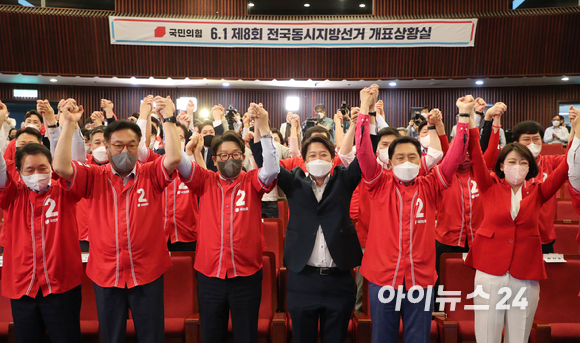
(224, 157)
(132, 147)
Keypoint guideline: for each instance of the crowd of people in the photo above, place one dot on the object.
(130, 190)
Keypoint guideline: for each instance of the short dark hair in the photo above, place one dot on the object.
(29, 131)
(31, 149)
(529, 127)
(276, 132)
(184, 128)
(9, 131)
(403, 140)
(33, 113)
(317, 139)
(86, 133)
(136, 115)
(159, 126)
(119, 125)
(228, 136)
(388, 131)
(524, 152)
(426, 108)
(421, 126)
(89, 121)
(559, 116)
(98, 129)
(314, 129)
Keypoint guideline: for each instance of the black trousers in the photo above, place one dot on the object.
(146, 304)
(59, 315)
(270, 209)
(181, 246)
(548, 248)
(328, 298)
(84, 246)
(217, 297)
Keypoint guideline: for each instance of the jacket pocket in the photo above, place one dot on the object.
(485, 232)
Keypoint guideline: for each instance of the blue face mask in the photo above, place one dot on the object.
(124, 162)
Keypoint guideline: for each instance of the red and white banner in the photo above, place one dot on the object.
(293, 34)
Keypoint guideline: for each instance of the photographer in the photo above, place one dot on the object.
(413, 128)
(320, 119)
(344, 110)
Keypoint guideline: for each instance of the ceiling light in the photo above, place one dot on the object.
(565, 78)
(151, 78)
(204, 113)
(306, 5)
(250, 4)
(226, 84)
(53, 80)
(291, 80)
(392, 84)
(479, 82)
(362, 5)
(292, 103)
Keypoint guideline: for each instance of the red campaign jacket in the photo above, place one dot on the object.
(502, 244)
(41, 249)
(230, 222)
(128, 246)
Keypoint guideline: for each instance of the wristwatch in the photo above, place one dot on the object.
(171, 119)
(269, 135)
(52, 126)
(432, 127)
(464, 115)
(373, 114)
(479, 112)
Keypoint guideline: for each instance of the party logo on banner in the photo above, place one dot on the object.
(293, 34)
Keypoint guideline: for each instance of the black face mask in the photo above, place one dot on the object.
(207, 140)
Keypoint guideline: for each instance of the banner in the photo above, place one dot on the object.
(293, 34)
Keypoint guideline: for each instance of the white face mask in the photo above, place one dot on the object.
(406, 171)
(37, 182)
(425, 141)
(556, 123)
(535, 149)
(87, 149)
(33, 126)
(384, 156)
(515, 175)
(100, 154)
(318, 168)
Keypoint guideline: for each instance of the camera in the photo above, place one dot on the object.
(231, 116)
(344, 108)
(417, 118)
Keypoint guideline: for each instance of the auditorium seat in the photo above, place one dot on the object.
(180, 297)
(565, 212)
(566, 239)
(274, 238)
(559, 305)
(271, 324)
(89, 315)
(564, 192)
(458, 325)
(551, 149)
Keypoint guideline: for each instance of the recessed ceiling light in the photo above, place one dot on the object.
(250, 4)
(479, 82)
(226, 84)
(274, 80)
(151, 78)
(362, 5)
(53, 80)
(392, 84)
(306, 5)
(565, 78)
(291, 80)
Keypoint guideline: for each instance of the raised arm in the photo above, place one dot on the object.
(338, 131)
(107, 106)
(573, 156)
(3, 174)
(368, 163)
(71, 114)
(346, 152)
(494, 115)
(457, 150)
(271, 167)
(166, 109)
(380, 117)
(294, 139)
(144, 124)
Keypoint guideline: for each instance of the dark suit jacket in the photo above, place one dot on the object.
(332, 213)
(209, 161)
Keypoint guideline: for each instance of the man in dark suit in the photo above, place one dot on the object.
(321, 245)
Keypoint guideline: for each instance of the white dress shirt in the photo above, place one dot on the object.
(515, 205)
(560, 131)
(320, 256)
